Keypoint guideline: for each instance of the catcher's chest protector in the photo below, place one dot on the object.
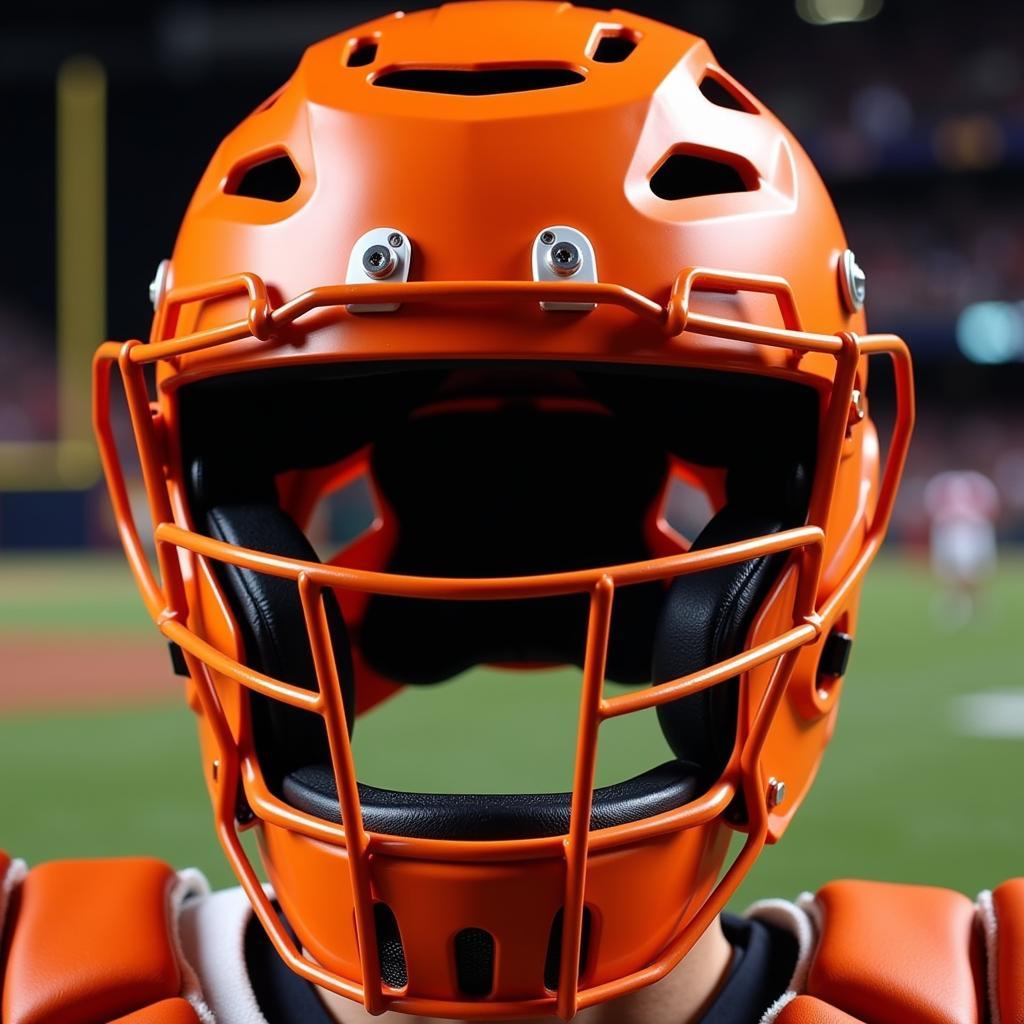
(905, 954)
(95, 942)
(91, 942)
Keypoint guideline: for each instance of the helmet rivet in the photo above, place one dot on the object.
(379, 261)
(776, 792)
(395, 240)
(564, 259)
(215, 770)
(858, 407)
(158, 286)
(547, 237)
(852, 282)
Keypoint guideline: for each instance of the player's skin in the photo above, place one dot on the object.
(681, 997)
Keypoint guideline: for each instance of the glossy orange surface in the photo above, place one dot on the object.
(90, 941)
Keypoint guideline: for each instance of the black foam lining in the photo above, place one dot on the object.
(514, 492)
(706, 616)
(493, 816)
(522, 489)
(270, 617)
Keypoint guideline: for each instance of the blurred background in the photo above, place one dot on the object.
(914, 113)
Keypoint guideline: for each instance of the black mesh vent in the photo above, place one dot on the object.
(614, 49)
(474, 962)
(389, 947)
(363, 53)
(273, 180)
(721, 95)
(477, 81)
(686, 175)
(553, 961)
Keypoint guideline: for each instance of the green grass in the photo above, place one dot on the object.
(901, 795)
(74, 594)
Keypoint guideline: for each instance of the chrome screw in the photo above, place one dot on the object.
(158, 285)
(776, 792)
(547, 237)
(564, 259)
(853, 282)
(395, 240)
(858, 406)
(379, 261)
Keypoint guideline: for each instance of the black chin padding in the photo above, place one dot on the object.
(493, 816)
(269, 613)
(706, 616)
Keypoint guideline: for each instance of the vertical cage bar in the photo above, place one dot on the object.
(151, 461)
(830, 448)
(577, 844)
(102, 369)
(356, 842)
(750, 759)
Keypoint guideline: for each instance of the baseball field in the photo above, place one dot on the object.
(922, 782)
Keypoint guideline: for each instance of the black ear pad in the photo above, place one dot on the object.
(269, 614)
(706, 616)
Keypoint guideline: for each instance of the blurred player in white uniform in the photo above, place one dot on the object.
(962, 506)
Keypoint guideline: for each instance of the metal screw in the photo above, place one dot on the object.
(564, 259)
(379, 261)
(547, 237)
(853, 282)
(159, 283)
(215, 770)
(395, 240)
(858, 407)
(776, 792)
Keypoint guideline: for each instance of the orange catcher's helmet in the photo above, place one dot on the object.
(520, 267)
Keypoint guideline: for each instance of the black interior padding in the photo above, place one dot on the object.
(390, 951)
(474, 962)
(553, 959)
(493, 816)
(526, 488)
(269, 614)
(514, 492)
(706, 616)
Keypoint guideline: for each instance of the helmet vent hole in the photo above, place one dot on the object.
(390, 950)
(474, 962)
(363, 52)
(553, 960)
(723, 93)
(687, 175)
(478, 81)
(273, 180)
(614, 47)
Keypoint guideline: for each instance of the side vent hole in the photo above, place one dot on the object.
(614, 47)
(720, 92)
(477, 81)
(393, 971)
(474, 962)
(273, 180)
(553, 961)
(686, 175)
(362, 53)
(269, 101)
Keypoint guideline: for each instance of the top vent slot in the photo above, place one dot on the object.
(477, 81)
(612, 44)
